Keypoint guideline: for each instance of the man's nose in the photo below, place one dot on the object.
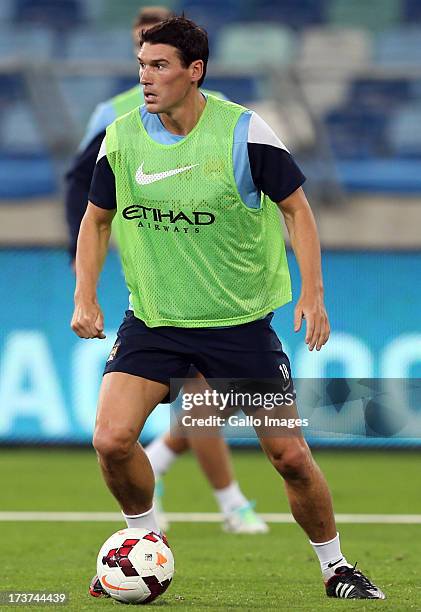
(145, 75)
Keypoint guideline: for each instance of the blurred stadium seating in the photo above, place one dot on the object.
(57, 15)
(352, 49)
(412, 11)
(84, 45)
(398, 47)
(352, 71)
(255, 45)
(297, 15)
(22, 43)
(404, 131)
(375, 15)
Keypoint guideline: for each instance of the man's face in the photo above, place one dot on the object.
(164, 79)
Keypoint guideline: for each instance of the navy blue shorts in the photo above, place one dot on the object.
(250, 351)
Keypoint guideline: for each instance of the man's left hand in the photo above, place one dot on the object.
(312, 309)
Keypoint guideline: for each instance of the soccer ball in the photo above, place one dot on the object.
(135, 565)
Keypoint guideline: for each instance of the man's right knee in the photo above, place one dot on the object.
(112, 445)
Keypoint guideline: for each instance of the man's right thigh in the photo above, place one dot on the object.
(125, 402)
(153, 354)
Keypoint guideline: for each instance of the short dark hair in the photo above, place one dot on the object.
(190, 40)
(149, 15)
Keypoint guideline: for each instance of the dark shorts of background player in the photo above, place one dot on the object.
(251, 351)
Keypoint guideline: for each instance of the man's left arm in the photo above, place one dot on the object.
(305, 242)
(275, 173)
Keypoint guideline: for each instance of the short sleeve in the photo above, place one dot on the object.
(102, 192)
(273, 169)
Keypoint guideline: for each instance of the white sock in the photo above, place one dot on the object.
(160, 456)
(330, 556)
(147, 520)
(230, 498)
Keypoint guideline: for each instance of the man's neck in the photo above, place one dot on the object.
(182, 120)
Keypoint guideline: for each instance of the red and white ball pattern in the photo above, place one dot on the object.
(135, 565)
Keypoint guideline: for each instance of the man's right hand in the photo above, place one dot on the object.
(88, 320)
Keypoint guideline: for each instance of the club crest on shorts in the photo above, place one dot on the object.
(114, 350)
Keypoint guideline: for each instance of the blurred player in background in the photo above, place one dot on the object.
(202, 290)
(212, 453)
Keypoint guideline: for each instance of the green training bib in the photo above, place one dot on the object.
(193, 254)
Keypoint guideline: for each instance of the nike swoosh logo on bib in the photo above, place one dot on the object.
(146, 179)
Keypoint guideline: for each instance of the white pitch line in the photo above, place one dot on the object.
(203, 517)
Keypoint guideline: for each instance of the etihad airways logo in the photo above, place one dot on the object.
(157, 219)
(146, 179)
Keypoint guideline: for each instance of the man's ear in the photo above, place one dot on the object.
(196, 68)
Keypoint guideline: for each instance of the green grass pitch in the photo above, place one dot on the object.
(215, 571)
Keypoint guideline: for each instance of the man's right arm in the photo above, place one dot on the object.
(92, 246)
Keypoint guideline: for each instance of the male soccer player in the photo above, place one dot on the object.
(212, 453)
(205, 263)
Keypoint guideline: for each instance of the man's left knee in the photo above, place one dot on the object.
(294, 462)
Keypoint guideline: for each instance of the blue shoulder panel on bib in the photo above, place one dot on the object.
(153, 125)
(242, 173)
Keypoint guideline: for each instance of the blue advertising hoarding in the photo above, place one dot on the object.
(49, 378)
